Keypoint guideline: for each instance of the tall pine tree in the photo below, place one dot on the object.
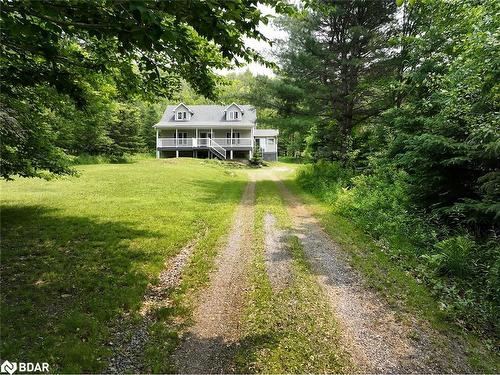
(338, 51)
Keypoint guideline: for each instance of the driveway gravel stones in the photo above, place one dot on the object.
(376, 339)
(375, 336)
(130, 339)
(209, 345)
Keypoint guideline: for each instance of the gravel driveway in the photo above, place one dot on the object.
(376, 340)
(209, 346)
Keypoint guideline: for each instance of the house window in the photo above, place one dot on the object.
(270, 141)
(234, 115)
(236, 138)
(182, 138)
(182, 115)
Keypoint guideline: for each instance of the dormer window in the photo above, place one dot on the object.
(233, 112)
(234, 115)
(183, 115)
(182, 112)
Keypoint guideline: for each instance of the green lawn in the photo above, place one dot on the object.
(78, 252)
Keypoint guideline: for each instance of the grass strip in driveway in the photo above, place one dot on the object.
(291, 330)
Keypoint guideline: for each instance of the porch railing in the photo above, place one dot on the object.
(175, 142)
(204, 142)
(234, 142)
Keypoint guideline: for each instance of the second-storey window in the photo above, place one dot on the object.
(234, 115)
(182, 115)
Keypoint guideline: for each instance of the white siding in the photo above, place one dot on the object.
(268, 144)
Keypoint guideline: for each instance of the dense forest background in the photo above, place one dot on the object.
(398, 109)
(393, 107)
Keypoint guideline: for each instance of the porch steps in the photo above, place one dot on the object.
(217, 149)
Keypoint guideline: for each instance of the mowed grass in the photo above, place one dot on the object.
(79, 252)
(291, 330)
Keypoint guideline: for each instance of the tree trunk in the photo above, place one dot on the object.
(346, 130)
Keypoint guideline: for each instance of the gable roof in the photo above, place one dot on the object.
(210, 115)
(183, 105)
(236, 105)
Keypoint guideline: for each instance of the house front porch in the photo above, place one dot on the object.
(203, 154)
(220, 143)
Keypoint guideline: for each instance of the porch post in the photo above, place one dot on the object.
(231, 153)
(157, 151)
(251, 137)
(231, 140)
(176, 142)
(252, 140)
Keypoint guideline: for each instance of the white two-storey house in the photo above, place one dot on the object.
(213, 131)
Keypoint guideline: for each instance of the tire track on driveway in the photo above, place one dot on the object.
(278, 259)
(209, 345)
(376, 340)
(128, 351)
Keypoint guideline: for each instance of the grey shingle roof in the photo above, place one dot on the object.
(212, 115)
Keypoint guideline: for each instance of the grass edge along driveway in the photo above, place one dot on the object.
(399, 288)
